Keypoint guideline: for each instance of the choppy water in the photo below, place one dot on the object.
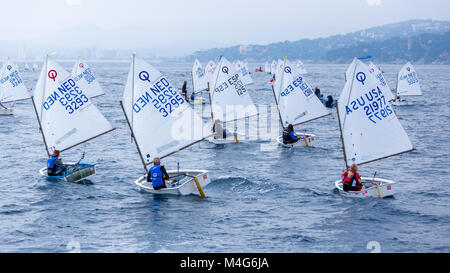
(261, 199)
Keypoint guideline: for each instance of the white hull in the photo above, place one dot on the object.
(385, 188)
(185, 186)
(6, 112)
(306, 139)
(228, 140)
(78, 173)
(400, 102)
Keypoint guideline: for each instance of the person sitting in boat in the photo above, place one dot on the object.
(184, 90)
(157, 175)
(351, 179)
(192, 96)
(55, 166)
(289, 136)
(218, 130)
(329, 101)
(317, 92)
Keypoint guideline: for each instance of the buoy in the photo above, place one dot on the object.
(199, 187)
(306, 141)
(379, 191)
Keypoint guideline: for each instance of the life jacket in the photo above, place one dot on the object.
(286, 136)
(350, 182)
(157, 176)
(51, 162)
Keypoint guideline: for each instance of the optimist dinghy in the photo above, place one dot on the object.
(407, 85)
(85, 78)
(66, 117)
(199, 83)
(162, 123)
(369, 129)
(229, 99)
(12, 88)
(296, 102)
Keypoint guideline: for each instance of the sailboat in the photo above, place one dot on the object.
(369, 128)
(407, 85)
(84, 77)
(12, 88)
(300, 67)
(382, 83)
(162, 123)
(229, 99)
(209, 71)
(35, 67)
(244, 73)
(199, 82)
(267, 67)
(296, 102)
(66, 118)
(273, 67)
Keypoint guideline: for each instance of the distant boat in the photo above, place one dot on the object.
(369, 128)
(373, 69)
(154, 111)
(296, 101)
(199, 82)
(26, 67)
(35, 67)
(66, 118)
(300, 67)
(228, 95)
(242, 69)
(12, 87)
(209, 71)
(85, 78)
(407, 85)
(267, 67)
(273, 67)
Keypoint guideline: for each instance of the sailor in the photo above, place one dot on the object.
(218, 130)
(157, 175)
(317, 92)
(184, 90)
(289, 136)
(192, 96)
(351, 179)
(55, 166)
(329, 101)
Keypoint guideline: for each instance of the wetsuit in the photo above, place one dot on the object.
(55, 166)
(157, 175)
(192, 96)
(289, 137)
(351, 183)
(184, 91)
(329, 101)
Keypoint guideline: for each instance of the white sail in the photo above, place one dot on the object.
(229, 97)
(273, 67)
(199, 80)
(381, 81)
(12, 87)
(408, 82)
(84, 77)
(209, 71)
(162, 122)
(243, 72)
(267, 67)
(297, 102)
(369, 126)
(66, 114)
(300, 67)
(278, 72)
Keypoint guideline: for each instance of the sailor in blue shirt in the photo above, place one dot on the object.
(289, 136)
(55, 166)
(157, 175)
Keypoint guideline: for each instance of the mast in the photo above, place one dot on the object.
(132, 135)
(278, 108)
(132, 94)
(342, 136)
(35, 109)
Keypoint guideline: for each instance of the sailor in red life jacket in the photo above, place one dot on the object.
(351, 179)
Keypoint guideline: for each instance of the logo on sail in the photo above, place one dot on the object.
(52, 74)
(361, 77)
(144, 76)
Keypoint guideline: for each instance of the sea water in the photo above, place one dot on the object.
(262, 197)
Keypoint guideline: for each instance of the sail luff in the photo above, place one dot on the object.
(342, 136)
(40, 126)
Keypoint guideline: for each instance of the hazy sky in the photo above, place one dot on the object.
(225, 21)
